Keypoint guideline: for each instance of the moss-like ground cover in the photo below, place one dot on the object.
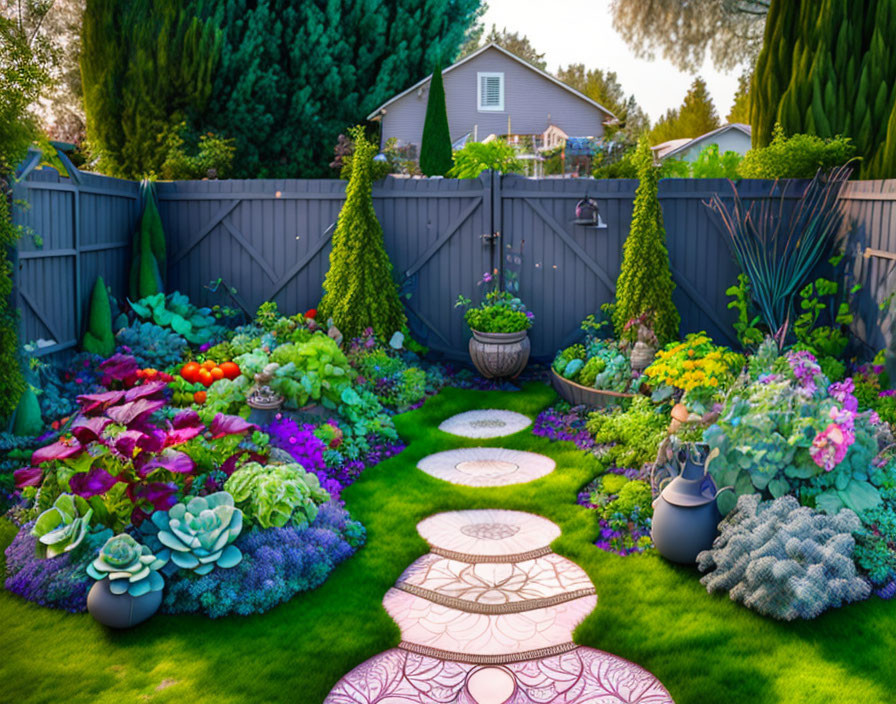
(705, 649)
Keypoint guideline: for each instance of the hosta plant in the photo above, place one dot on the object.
(197, 535)
(785, 560)
(274, 495)
(63, 527)
(131, 567)
(196, 325)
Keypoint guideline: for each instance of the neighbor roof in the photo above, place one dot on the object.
(504, 51)
(687, 143)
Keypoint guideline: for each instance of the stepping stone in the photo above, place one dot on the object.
(488, 535)
(488, 587)
(580, 676)
(486, 466)
(441, 631)
(489, 423)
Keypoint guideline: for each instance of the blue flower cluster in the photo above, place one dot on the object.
(277, 564)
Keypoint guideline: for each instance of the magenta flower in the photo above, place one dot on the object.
(129, 412)
(93, 483)
(229, 425)
(171, 460)
(28, 476)
(59, 450)
(87, 430)
(99, 402)
(153, 387)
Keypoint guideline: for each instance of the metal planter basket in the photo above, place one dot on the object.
(579, 395)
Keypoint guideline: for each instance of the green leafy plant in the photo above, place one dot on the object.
(196, 325)
(634, 435)
(797, 156)
(826, 342)
(275, 495)
(476, 157)
(99, 338)
(711, 164)
(198, 535)
(745, 326)
(599, 364)
(499, 311)
(645, 279)
(213, 156)
(359, 290)
(62, 528)
(131, 567)
(778, 254)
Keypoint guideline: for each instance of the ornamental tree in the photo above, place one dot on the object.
(645, 279)
(435, 148)
(358, 290)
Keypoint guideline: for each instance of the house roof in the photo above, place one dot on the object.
(688, 143)
(660, 150)
(504, 51)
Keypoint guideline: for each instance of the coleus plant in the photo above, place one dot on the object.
(126, 462)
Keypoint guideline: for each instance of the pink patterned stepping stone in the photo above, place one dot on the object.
(496, 587)
(435, 629)
(488, 535)
(488, 423)
(580, 676)
(486, 466)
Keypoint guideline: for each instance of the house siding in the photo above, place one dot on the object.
(530, 100)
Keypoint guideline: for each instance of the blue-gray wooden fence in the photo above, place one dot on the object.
(73, 229)
(270, 240)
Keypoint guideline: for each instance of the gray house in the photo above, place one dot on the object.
(493, 92)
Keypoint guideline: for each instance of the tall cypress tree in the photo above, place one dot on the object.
(358, 290)
(645, 280)
(147, 66)
(435, 148)
(826, 68)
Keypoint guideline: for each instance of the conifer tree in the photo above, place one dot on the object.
(148, 263)
(696, 116)
(828, 69)
(435, 147)
(99, 338)
(645, 280)
(358, 290)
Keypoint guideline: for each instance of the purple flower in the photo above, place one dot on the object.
(172, 460)
(93, 483)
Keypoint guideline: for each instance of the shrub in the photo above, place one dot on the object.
(710, 164)
(359, 290)
(634, 435)
(148, 253)
(797, 156)
(477, 157)
(212, 159)
(99, 338)
(196, 325)
(645, 280)
(152, 346)
(277, 564)
(784, 560)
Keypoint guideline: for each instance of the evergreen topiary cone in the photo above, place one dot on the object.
(645, 279)
(436, 157)
(28, 421)
(358, 290)
(149, 252)
(99, 338)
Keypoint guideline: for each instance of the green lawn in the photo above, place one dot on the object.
(704, 648)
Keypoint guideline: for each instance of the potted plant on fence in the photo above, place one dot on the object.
(500, 343)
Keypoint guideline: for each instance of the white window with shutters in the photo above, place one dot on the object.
(490, 91)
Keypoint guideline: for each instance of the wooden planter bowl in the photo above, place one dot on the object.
(579, 395)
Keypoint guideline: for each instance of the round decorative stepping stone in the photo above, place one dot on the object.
(575, 677)
(488, 587)
(486, 466)
(441, 631)
(488, 535)
(488, 423)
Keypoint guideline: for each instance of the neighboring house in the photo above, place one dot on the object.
(494, 92)
(734, 137)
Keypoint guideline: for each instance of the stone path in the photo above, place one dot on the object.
(487, 616)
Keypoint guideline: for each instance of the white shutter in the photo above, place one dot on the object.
(491, 91)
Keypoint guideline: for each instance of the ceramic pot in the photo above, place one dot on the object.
(500, 355)
(685, 515)
(121, 610)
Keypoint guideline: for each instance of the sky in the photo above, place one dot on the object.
(581, 31)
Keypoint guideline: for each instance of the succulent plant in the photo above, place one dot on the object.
(62, 527)
(130, 566)
(198, 535)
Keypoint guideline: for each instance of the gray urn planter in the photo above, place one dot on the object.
(121, 610)
(501, 355)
